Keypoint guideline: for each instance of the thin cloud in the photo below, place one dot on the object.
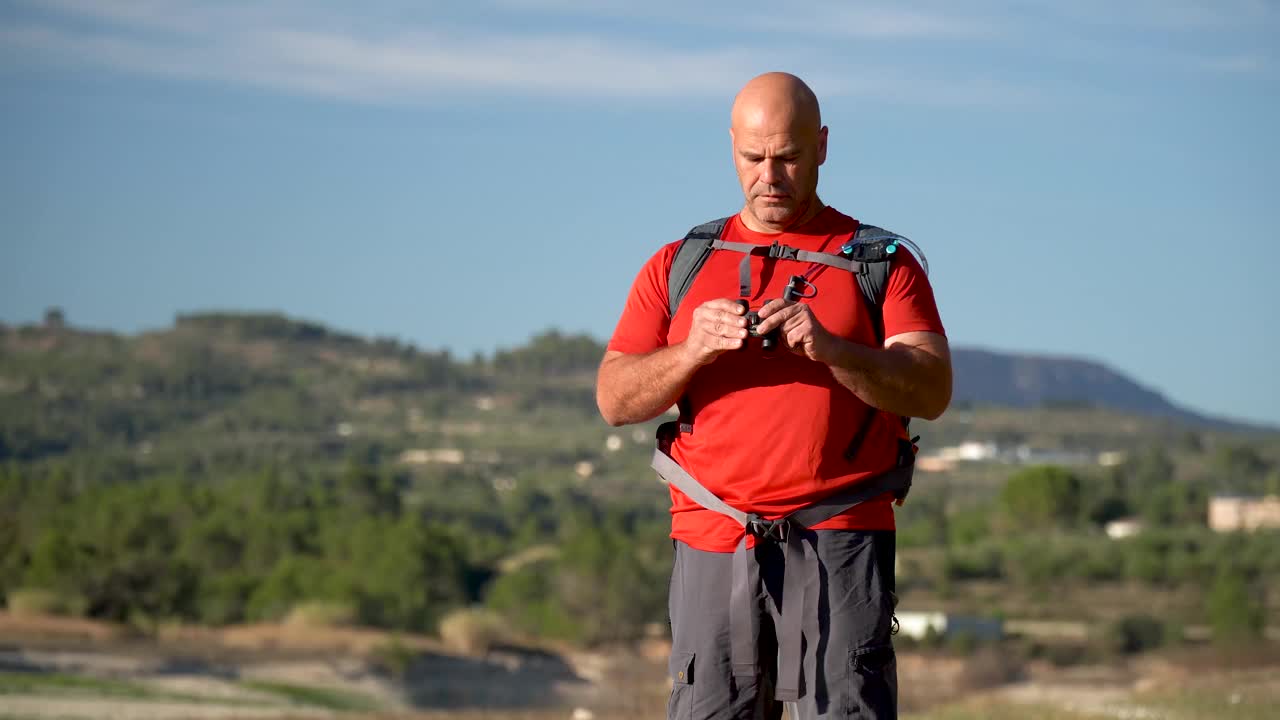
(412, 68)
(840, 19)
(1159, 15)
(304, 49)
(889, 22)
(1106, 37)
(425, 63)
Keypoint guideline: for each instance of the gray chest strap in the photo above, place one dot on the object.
(801, 587)
(784, 252)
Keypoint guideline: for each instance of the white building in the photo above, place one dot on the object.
(1228, 513)
(969, 451)
(1123, 528)
(425, 456)
(919, 625)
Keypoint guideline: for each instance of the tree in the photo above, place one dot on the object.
(1041, 496)
(1145, 470)
(1175, 503)
(1236, 613)
(1136, 633)
(1104, 500)
(1239, 468)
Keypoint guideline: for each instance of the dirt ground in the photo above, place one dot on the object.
(77, 670)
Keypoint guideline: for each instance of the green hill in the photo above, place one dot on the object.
(234, 467)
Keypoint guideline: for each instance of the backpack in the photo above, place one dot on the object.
(868, 255)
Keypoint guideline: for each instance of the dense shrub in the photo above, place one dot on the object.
(1235, 608)
(1135, 633)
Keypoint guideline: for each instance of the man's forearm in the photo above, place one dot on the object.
(901, 379)
(636, 388)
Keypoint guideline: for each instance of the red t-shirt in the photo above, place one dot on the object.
(770, 431)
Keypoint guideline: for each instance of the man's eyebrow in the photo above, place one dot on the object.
(787, 151)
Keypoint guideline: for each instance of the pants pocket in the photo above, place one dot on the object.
(680, 704)
(872, 690)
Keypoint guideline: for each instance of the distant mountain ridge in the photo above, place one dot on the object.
(982, 377)
(988, 377)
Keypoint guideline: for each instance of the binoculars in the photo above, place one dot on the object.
(768, 341)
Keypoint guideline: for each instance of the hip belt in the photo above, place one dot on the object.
(800, 586)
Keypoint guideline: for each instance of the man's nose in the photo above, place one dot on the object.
(768, 171)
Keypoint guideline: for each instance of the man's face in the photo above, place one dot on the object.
(777, 165)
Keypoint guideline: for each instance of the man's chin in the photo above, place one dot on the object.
(775, 214)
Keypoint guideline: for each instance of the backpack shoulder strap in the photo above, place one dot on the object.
(875, 248)
(870, 244)
(689, 258)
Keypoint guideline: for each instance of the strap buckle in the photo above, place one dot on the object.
(764, 529)
(786, 252)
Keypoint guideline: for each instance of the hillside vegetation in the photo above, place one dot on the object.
(245, 467)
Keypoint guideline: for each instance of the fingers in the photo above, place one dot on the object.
(726, 343)
(774, 306)
(710, 344)
(796, 337)
(717, 326)
(723, 304)
(720, 317)
(720, 325)
(776, 313)
(798, 329)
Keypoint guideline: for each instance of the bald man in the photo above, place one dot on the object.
(784, 464)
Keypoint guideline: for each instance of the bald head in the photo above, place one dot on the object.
(778, 144)
(777, 97)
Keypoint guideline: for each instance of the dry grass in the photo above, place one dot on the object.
(317, 615)
(1208, 682)
(38, 628)
(473, 631)
(34, 602)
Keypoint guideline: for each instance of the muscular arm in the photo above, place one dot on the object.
(632, 388)
(636, 388)
(910, 375)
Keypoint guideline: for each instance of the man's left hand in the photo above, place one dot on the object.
(800, 331)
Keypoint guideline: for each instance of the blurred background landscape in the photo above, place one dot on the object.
(301, 304)
(260, 513)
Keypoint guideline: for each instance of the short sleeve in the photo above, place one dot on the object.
(646, 316)
(909, 305)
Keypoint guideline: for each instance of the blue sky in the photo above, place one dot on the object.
(1088, 178)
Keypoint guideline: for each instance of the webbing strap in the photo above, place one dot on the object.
(675, 475)
(748, 248)
(744, 622)
(897, 480)
(801, 586)
(785, 252)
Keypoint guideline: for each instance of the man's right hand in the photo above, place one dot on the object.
(633, 388)
(717, 326)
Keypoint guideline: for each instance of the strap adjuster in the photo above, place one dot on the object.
(765, 529)
(786, 252)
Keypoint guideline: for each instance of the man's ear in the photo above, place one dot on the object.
(822, 145)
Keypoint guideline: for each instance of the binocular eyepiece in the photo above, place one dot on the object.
(768, 341)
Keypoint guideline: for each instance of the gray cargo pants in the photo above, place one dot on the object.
(849, 670)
